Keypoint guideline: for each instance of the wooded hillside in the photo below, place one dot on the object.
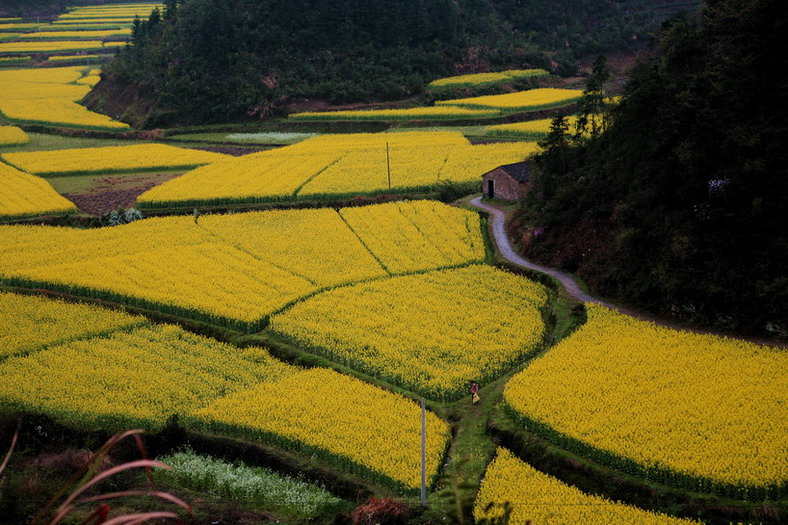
(681, 205)
(211, 60)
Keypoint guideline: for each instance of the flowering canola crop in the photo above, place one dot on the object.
(49, 96)
(12, 135)
(702, 411)
(538, 129)
(486, 79)
(47, 46)
(246, 179)
(78, 35)
(75, 58)
(129, 379)
(531, 100)
(233, 270)
(429, 332)
(339, 418)
(536, 497)
(29, 323)
(90, 80)
(24, 195)
(422, 113)
(109, 159)
(466, 164)
(530, 130)
(94, 369)
(411, 236)
(315, 245)
(338, 165)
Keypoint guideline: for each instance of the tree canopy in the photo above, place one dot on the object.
(213, 60)
(681, 205)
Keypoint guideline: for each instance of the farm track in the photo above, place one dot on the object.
(573, 289)
(508, 252)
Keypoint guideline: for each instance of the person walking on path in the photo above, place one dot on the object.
(474, 392)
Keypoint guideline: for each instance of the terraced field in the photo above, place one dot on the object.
(338, 166)
(306, 337)
(230, 270)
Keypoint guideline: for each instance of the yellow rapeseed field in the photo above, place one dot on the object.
(58, 111)
(49, 96)
(661, 401)
(24, 91)
(24, 195)
(231, 269)
(77, 35)
(313, 244)
(531, 129)
(71, 58)
(110, 159)
(486, 79)
(7, 61)
(94, 369)
(468, 164)
(44, 47)
(430, 332)
(112, 11)
(90, 80)
(212, 281)
(14, 27)
(65, 22)
(367, 171)
(531, 100)
(341, 419)
(538, 498)
(12, 135)
(338, 165)
(422, 113)
(411, 236)
(249, 178)
(29, 323)
(132, 379)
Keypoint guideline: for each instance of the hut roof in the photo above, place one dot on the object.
(519, 171)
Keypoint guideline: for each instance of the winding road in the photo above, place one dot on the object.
(502, 240)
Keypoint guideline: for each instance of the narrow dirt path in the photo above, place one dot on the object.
(502, 240)
(572, 288)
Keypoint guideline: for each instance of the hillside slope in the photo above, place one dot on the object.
(211, 60)
(681, 206)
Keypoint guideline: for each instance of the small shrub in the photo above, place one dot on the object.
(380, 511)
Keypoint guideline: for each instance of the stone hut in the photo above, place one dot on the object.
(508, 183)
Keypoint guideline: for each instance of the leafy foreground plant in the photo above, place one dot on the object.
(238, 481)
(73, 495)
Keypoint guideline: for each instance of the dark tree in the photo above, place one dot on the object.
(212, 60)
(681, 205)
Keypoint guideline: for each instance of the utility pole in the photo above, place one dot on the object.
(388, 167)
(423, 454)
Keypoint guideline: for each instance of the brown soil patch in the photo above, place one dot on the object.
(299, 106)
(112, 193)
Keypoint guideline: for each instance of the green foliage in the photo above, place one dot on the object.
(240, 482)
(680, 206)
(212, 60)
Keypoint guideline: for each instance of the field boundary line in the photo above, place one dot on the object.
(316, 175)
(253, 256)
(374, 256)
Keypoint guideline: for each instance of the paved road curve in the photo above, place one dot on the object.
(499, 232)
